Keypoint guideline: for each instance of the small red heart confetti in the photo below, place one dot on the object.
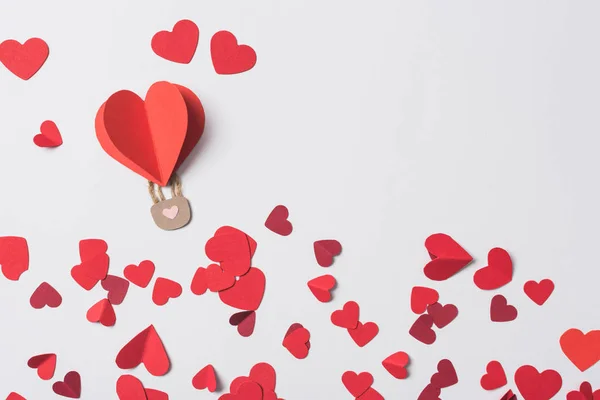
(277, 221)
(584, 393)
(247, 293)
(509, 396)
(14, 256)
(24, 60)
(102, 312)
(217, 279)
(446, 375)
(232, 248)
(206, 378)
(49, 135)
(179, 45)
(364, 333)
(442, 315)
(264, 375)
(147, 348)
(96, 268)
(296, 342)
(79, 275)
(15, 396)
(165, 289)
(498, 272)
(582, 349)
(421, 297)
(495, 376)
(45, 365)
(539, 292)
(228, 57)
(117, 288)
(326, 250)
(500, 311)
(370, 394)
(357, 384)
(321, 287)
(90, 248)
(70, 386)
(421, 329)
(447, 257)
(430, 393)
(130, 388)
(347, 317)
(244, 321)
(45, 295)
(199, 284)
(396, 364)
(140, 275)
(534, 385)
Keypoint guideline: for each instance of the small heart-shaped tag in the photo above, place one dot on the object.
(170, 212)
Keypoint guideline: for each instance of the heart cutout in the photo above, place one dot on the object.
(232, 248)
(69, 387)
(49, 135)
(442, 315)
(447, 257)
(206, 378)
(199, 284)
(277, 221)
(500, 311)
(421, 297)
(326, 250)
(244, 321)
(24, 60)
(445, 376)
(495, 376)
(296, 342)
(140, 275)
(179, 45)
(364, 333)
(147, 348)
(45, 295)
(357, 384)
(14, 256)
(321, 287)
(228, 57)
(539, 292)
(534, 385)
(430, 392)
(102, 312)
(90, 248)
(247, 293)
(347, 317)
(116, 287)
(396, 364)
(583, 350)
(217, 279)
(45, 364)
(498, 272)
(421, 329)
(164, 290)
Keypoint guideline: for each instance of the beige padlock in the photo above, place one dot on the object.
(173, 213)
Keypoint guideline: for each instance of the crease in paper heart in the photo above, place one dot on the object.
(14, 256)
(326, 250)
(244, 321)
(145, 348)
(45, 295)
(498, 272)
(321, 287)
(248, 291)
(447, 257)
(49, 135)
(206, 378)
(102, 312)
(70, 386)
(45, 364)
(396, 364)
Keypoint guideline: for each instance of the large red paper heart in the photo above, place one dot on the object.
(45, 365)
(117, 288)
(537, 386)
(90, 248)
(396, 364)
(24, 60)
(277, 221)
(325, 250)
(421, 329)
(152, 137)
(70, 386)
(45, 295)
(446, 375)
(582, 349)
(321, 287)
(165, 289)
(500, 311)
(130, 388)
(347, 317)
(218, 279)
(247, 293)
(49, 135)
(228, 57)
(442, 315)
(495, 376)
(14, 256)
(244, 321)
(147, 348)
(498, 272)
(231, 248)
(179, 45)
(421, 297)
(296, 342)
(364, 333)
(539, 292)
(357, 384)
(205, 379)
(447, 257)
(140, 275)
(102, 312)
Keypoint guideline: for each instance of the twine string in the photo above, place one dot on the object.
(176, 190)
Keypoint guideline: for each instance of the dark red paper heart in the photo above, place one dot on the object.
(421, 329)
(277, 221)
(498, 272)
(45, 364)
(442, 315)
(245, 321)
(45, 295)
(430, 392)
(326, 250)
(70, 386)
(500, 311)
(446, 375)
(116, 287)
(447, 257)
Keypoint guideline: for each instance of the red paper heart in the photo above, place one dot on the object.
(357, 384)
(539, 292)
(45, 365)
(140, 275)
(421, 297)
(584, 393)
(130, 388)
(498, 272)
(217, 279)
(495, 377)
(231, 248)
(165, 289)
(347, 317)
(264, 375)
(96, 268)
(446, 375)
(442, 315)
(14, 256)
(154, 394)
(447, 257)
(15, 396)
(537, 386)
(370, 394)
(278, 222)
(226, 230)
(364, 333)
(70, 387)
(247, 293)
(49, 135)
(45, 295)
(90, 248)
(79, 275)
(199, 284)
(147, 348)
(396, 364)
(500, 311)
(582, 349)
(509, 396)
(421, 329)
(205, 379)
(321, 287)
(179, 45)
(117, 288)
(102, 312)
(244, 321)
(228, 57)
(296, 342)
(430, 392)
(325, 250)
(24, 60)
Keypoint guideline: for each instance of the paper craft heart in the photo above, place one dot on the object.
(147, 348)
(152, 137)
(495, 377)
(205, 379)
(24, 60)
(90, 248)
(357, 384)
(96, 268)
(179, 45)
(247, 293)
(45, 365)
(140, 275)
(70, 387)
(248, 391)
(228, 57)
(15, 396)
(430, 393)
(446, 375)
(582, 349)
(14, 256)
(49, 135)
(244, 321)
(102, 312)
(321, 287)
(79, 275)
(396, 364)
(537, 386)
(371, 394)
(498, 272)
(447, 257)
(199, 284)
(421, 329)
(442, 315)
(509, 396)
(539, 292)
(500, 311)
(45, 295)
(217, 279)
(364, 333)
(296, 342)
(277, 221)
(232, 249)
(326, 250)
(116, 287)
(584, 393)
(264, 374)
(347, 317)
(421, 297)
(153, 394)
(130, 388)
(165, 289)
(171, 212)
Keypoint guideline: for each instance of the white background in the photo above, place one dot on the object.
(377, 123)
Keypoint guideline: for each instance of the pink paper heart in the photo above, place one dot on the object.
(171, 213)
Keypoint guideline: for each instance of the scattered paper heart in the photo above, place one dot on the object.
(500, 311)
(583, 350)
(80, 275)
(24, 60)
(498, 272)
(49, 135)
(96, 268)
(232, 248)
(228, 57)
(297, 342)
(509, 396)
(421, 329)
(364, 333)
(131, 388)
(495, 376)
(539, 292)
(199, 284)
(116, 287)
(347, 317)
(247, 293)
(147, 348)
(396, 364)
(245, 321)
(102, 312)
(534, 385)
(14, 256)
(442, 315)
(217, 279)
(15, 396)
(45, 365)
(278, 222)
(357, 384)
(179, 45)
(447, 257)
(446, 375)
(430, 392)
(90, 248)
(140, 275)
(326, 250)
(69, 387)
(321, 287)
(206, 378)
(45, 295)
(164, 290)
(585, 392)
(421, 297)
(264, 374)
(370, 394)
